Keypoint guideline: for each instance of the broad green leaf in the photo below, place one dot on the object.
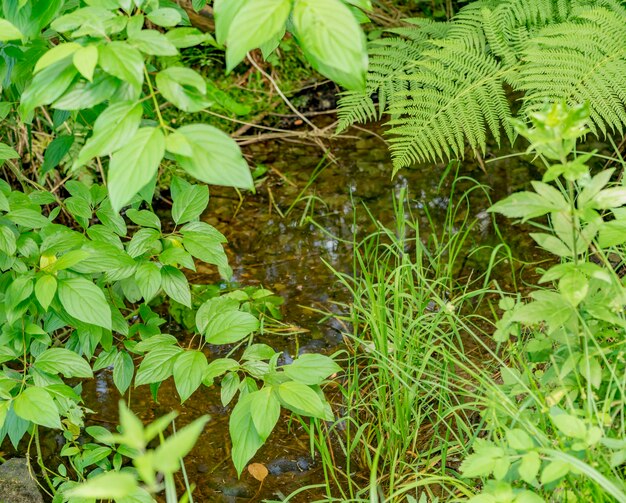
(244, 436)
(301, 399)
(554, 471)
(254, 24)
(609, 198)
(7, 152)
(217, 368)
(134, 165)
(311, 368)
(85, 60)
(47, 86)
(478, 465)
(216, 157)
(85, 301)
(105, 486)
(574, 287)
(123, 371)
(75, 19)
(183, 87)
(8, 243)
(144, 218)
(112, 130)
(83, 94)
(36, 405)
(549, 307)
(157, 365)
(551, 243)
(122, 61)
(529, 466)
(142, 241)
(165, 17)
(8, 31)
(519, 439)
(329, 33)
(63, 361)
(28, 218)
(153, 42)
(224, 12)
(229, 386)
(569, 425)
(524, 205)
(189, 370)
(175, 285)
(167, 456)
(612, 233)
(56, 151)
(230, 327)
(154, 342)
(265, 411)
(190, 204)
(187, 37)
(148, 278)
(57, 53)
(258, 352)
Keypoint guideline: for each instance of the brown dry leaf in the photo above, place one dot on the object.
(258, 471)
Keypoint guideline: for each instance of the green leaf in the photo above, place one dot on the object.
(144, 218)
(165, 17)
(122, 61)
(331, 36)
(85, 301)
(123, 370)
(148, 278)
(183, 87)
(153, 42)
(157, 365)
(189, 370)
(57, 53)
(254, 24)
(7, 152)
(524, 205)
(569, 425)
(529, 466)
(301, 399)
(134, 165)
(56, 151)
(612, 233)
(8, 243)
(187, 37)
(265, 411)
(167, 456)
(224, 12)
(63, 361)
(554, 471)
(85, 60)
(230, 385)
(107, 486)
(216, 157)
(112, 130)
(142, 241)
(175, 285)
(47, 86)
(36, 405)
(609, 198)
(217, 368)
(519, 439)
(190, 204)
(230, 327)
(8, 31)
(311, 368)
(551, 243)
(244, 436)
(88, 94)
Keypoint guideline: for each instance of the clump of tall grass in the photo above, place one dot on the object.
(408, 396)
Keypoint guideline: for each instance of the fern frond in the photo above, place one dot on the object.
(390, 60)
(456, 95)
(582, 60)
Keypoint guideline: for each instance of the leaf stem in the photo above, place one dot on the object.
(154, 100)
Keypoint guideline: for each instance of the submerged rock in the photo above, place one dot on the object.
(16, 484)
(285, 465)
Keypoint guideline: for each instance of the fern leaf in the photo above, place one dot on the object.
(582, 60)
(456, 95)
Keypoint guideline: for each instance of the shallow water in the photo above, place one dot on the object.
(286, 255)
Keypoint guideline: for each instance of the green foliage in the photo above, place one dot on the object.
(446, 85)
(555, 423)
